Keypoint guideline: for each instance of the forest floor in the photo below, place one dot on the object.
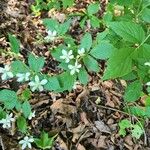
(86, 118)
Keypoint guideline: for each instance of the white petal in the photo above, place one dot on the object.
(67, 60)
(71, 57)
(49, 32)
(31, 83)
(10, 74)
(29, 145)
(54, 33)
(63, 57)
(7, 67)
(31, 140)
(64, 52)
(40, 88)
(70, 52)
(70, 66)
(1, 70)
(77, 70)
(147, 64)
(4, 76)
(43, 82)
(20, 79)
(37, 80)
(33, 88)
(21, 142)
(79, 66)
(24, 145)
(72, 72)
(148, 83)
(19, 74)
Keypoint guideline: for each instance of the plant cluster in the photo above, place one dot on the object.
(124, 44)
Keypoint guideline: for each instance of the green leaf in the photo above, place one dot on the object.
(14, 43)
(91, 64)
(101, 36)
(83, 76)
(137, 111)
(119, 64)
(26, 108)
(51, 24)
(36, 63)
(66, 81)
(94, 21)
(44, 142)
(133, 91)
(146, 15)
(63, 28)
(9, 98)
(102, 51)
(22, 124)
(67, 3)
(142, 53)
(129, 31)
(19, 67)
(53, 84)
(86, 41)
(93, 8)
(137, 131)
(123, 124)
(26, 94)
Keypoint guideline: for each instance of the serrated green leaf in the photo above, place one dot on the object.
(83, 76)
(101, 36)
(137, 111)
(123, 124)
(129, 31)
(67, 3)
(52, 84)
(36, 63)
(133, 91)
(22, 124)
(146, 15)
(102, 51)
(137, 131)
(66, 81)
(14, 43)
(9, 98)
(86, 41)
(26, 94)
(119, 64)
(51, 24)
(91, 64)
(93, 8)
(44, 142)
(94, 21)
(19, 67)
(26, 108)
(63, 28)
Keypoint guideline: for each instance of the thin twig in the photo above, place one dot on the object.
(2, 144)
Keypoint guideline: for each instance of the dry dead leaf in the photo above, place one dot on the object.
(102, 127)
(60, 107)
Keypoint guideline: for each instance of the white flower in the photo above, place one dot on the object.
(26, 142)
(37, 84)
(51, 35)
(74, 68)
(23, 76)
(81, 51)
(6, 73)
(67, 56)
(32, 115)
(75, 85)
(148, 83)
(147, 64)
(7, 121)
